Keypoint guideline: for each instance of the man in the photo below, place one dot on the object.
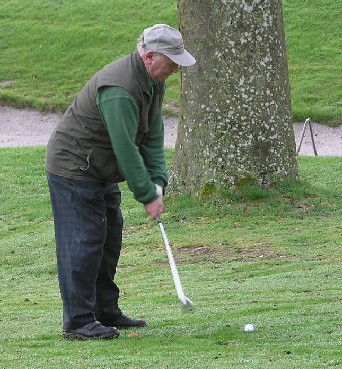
(112, 132)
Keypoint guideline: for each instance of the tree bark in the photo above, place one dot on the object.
(235, 124)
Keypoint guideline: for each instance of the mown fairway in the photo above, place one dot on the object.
(271, 258)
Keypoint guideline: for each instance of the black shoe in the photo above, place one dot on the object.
(91, 331)
(122, 321)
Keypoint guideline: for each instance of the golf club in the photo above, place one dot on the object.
(186, 302)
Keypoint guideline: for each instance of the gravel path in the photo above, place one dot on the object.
(25, 127)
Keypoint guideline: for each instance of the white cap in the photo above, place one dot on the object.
(168, 41)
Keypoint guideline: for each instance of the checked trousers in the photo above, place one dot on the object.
(88, 232)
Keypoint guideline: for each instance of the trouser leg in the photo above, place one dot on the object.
(107, 292)
(81, 230)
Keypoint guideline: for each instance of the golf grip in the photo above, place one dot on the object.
(174, 271)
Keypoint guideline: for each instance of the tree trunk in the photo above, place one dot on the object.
(235, 123)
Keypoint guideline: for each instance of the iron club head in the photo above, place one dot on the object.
(187, 304)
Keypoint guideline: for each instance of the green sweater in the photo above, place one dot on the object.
(120, 115)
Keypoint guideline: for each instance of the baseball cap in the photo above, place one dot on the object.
(168, 41)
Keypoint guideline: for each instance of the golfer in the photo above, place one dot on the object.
(112, 132)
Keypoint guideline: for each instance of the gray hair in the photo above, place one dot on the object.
(139, 45)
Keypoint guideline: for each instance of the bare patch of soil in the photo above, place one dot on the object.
(226, 251)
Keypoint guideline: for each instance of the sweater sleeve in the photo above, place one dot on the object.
(120, 115)
(153, 153)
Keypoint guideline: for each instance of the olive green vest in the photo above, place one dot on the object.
(80, 146)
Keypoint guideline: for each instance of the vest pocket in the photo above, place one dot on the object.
(102, 165)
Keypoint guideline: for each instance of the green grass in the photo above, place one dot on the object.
(50, 48)
(53, 47)
(271, 258)
(313, 30)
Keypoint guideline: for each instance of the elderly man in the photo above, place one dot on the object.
(112, 132)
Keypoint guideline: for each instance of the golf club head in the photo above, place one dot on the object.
(187, 304)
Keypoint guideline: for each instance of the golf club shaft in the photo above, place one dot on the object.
(174, 271)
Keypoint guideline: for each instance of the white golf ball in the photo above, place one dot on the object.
(249, 328)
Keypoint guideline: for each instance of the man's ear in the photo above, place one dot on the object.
(149, 57)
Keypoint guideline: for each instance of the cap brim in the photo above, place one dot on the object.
(184, 60)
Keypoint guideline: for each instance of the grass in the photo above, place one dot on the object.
(271, 258)
(51, 48)
(57, 46)
(315, 59)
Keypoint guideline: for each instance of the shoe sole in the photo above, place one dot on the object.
(75, 336)
(130, 326)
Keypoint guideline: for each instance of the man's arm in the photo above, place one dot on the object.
(153, 153)
(120, 116)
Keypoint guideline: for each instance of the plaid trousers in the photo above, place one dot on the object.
(88, 232)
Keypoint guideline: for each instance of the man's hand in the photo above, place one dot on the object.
(155, 207)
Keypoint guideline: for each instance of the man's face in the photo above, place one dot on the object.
(160, 67)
